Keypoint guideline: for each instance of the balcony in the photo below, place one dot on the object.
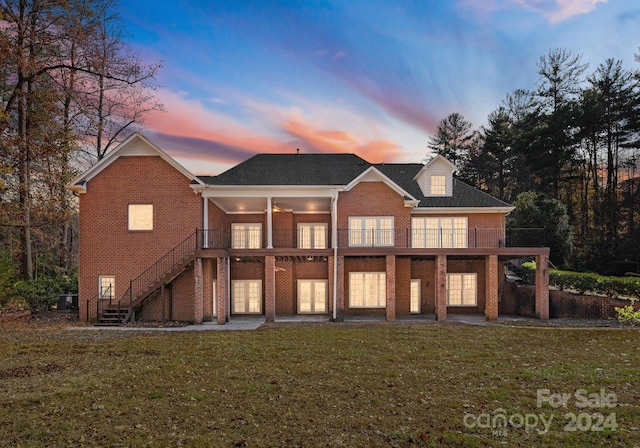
(320, 238)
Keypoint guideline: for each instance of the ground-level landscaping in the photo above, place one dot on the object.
(370, 384)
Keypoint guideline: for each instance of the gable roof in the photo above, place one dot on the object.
(347, 170)
(135, 145)
(292, 169)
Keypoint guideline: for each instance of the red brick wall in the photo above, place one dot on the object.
(284, 234)
(182, 297)
(107, 247)
(403, 286)
(425, 271)
(469, 267)
(372, 199)
(354, 264)
(241, 270)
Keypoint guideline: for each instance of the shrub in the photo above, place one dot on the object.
(586, 281)
(8, 278)
(628, 315)
(43, 292)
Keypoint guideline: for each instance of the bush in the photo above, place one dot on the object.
(628, 315)
(43, 292)
(8, 278)
(585, 281)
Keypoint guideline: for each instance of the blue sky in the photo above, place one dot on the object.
(370, 77)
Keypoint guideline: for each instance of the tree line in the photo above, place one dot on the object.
(572, 142)
(70, 90)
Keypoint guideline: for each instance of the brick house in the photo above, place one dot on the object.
(290, 234)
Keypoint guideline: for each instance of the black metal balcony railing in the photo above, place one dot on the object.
(320, 238)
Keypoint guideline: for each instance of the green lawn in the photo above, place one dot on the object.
(315, 385)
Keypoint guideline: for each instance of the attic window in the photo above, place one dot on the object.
(140, 216)
(438, 183)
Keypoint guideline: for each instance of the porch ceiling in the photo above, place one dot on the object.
(259, 205)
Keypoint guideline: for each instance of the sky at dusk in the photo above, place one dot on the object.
(367, 77)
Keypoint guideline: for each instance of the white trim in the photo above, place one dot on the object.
(78, 184)
(247, 236)
(411, 283)
(466, 210)
(113, 287)
(313, 212)
(378, 232)
(462, 277)
(269, 224)
(312, 301)
(430, 162)
(214, 299)
(312, 238)
(382, 291)
(246, 304)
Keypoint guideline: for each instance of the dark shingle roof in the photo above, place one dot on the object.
(291, 169)
(341, 169)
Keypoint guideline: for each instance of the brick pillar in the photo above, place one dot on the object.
(270, 288)
(330, 261)
(221, 286)
(207, 277)
(199, 291)
(491, 287)
(542, 287)
(391, 288)
(340, 310)
(163, 300)
(441, 287)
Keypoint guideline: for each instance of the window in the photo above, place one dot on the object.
(140, 216)
(439, 232)
(371, 231)
(312, 296)
(312, 236)
(461, 290)
(247, 296)
(246, 236)
(367, 289)
(106, 287)
(438, 185)
(415, 296)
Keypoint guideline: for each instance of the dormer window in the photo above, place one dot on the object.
(438, 185)
(436, 178)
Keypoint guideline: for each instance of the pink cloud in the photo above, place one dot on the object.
(555, 11)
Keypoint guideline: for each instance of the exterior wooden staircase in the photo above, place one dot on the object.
(162, 272)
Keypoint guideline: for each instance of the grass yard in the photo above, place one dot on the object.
(318, 385)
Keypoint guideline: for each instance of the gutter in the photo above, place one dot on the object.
(334, 237)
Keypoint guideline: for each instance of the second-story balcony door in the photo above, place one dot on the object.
(371, 231)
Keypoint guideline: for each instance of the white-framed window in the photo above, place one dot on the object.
(371, 231)
(246, 235)
(444, 232)
(312, 235)
(246, 296)
(438, 185)
(415, 296)
(367, 289)
(312, 296)
(462, 290)
(214, 299)
(140, 216)
(106, 287)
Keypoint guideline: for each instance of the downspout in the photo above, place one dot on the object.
(334, 239)
(269, 224)
(228, 262)
(205, 223)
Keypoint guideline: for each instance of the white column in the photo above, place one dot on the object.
(269, 224)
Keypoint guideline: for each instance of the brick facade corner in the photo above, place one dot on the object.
(270, 288)
(391, 288)
(542, 287)
(441, 287)
(491, 287)
(222, 293)
(199, 291)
